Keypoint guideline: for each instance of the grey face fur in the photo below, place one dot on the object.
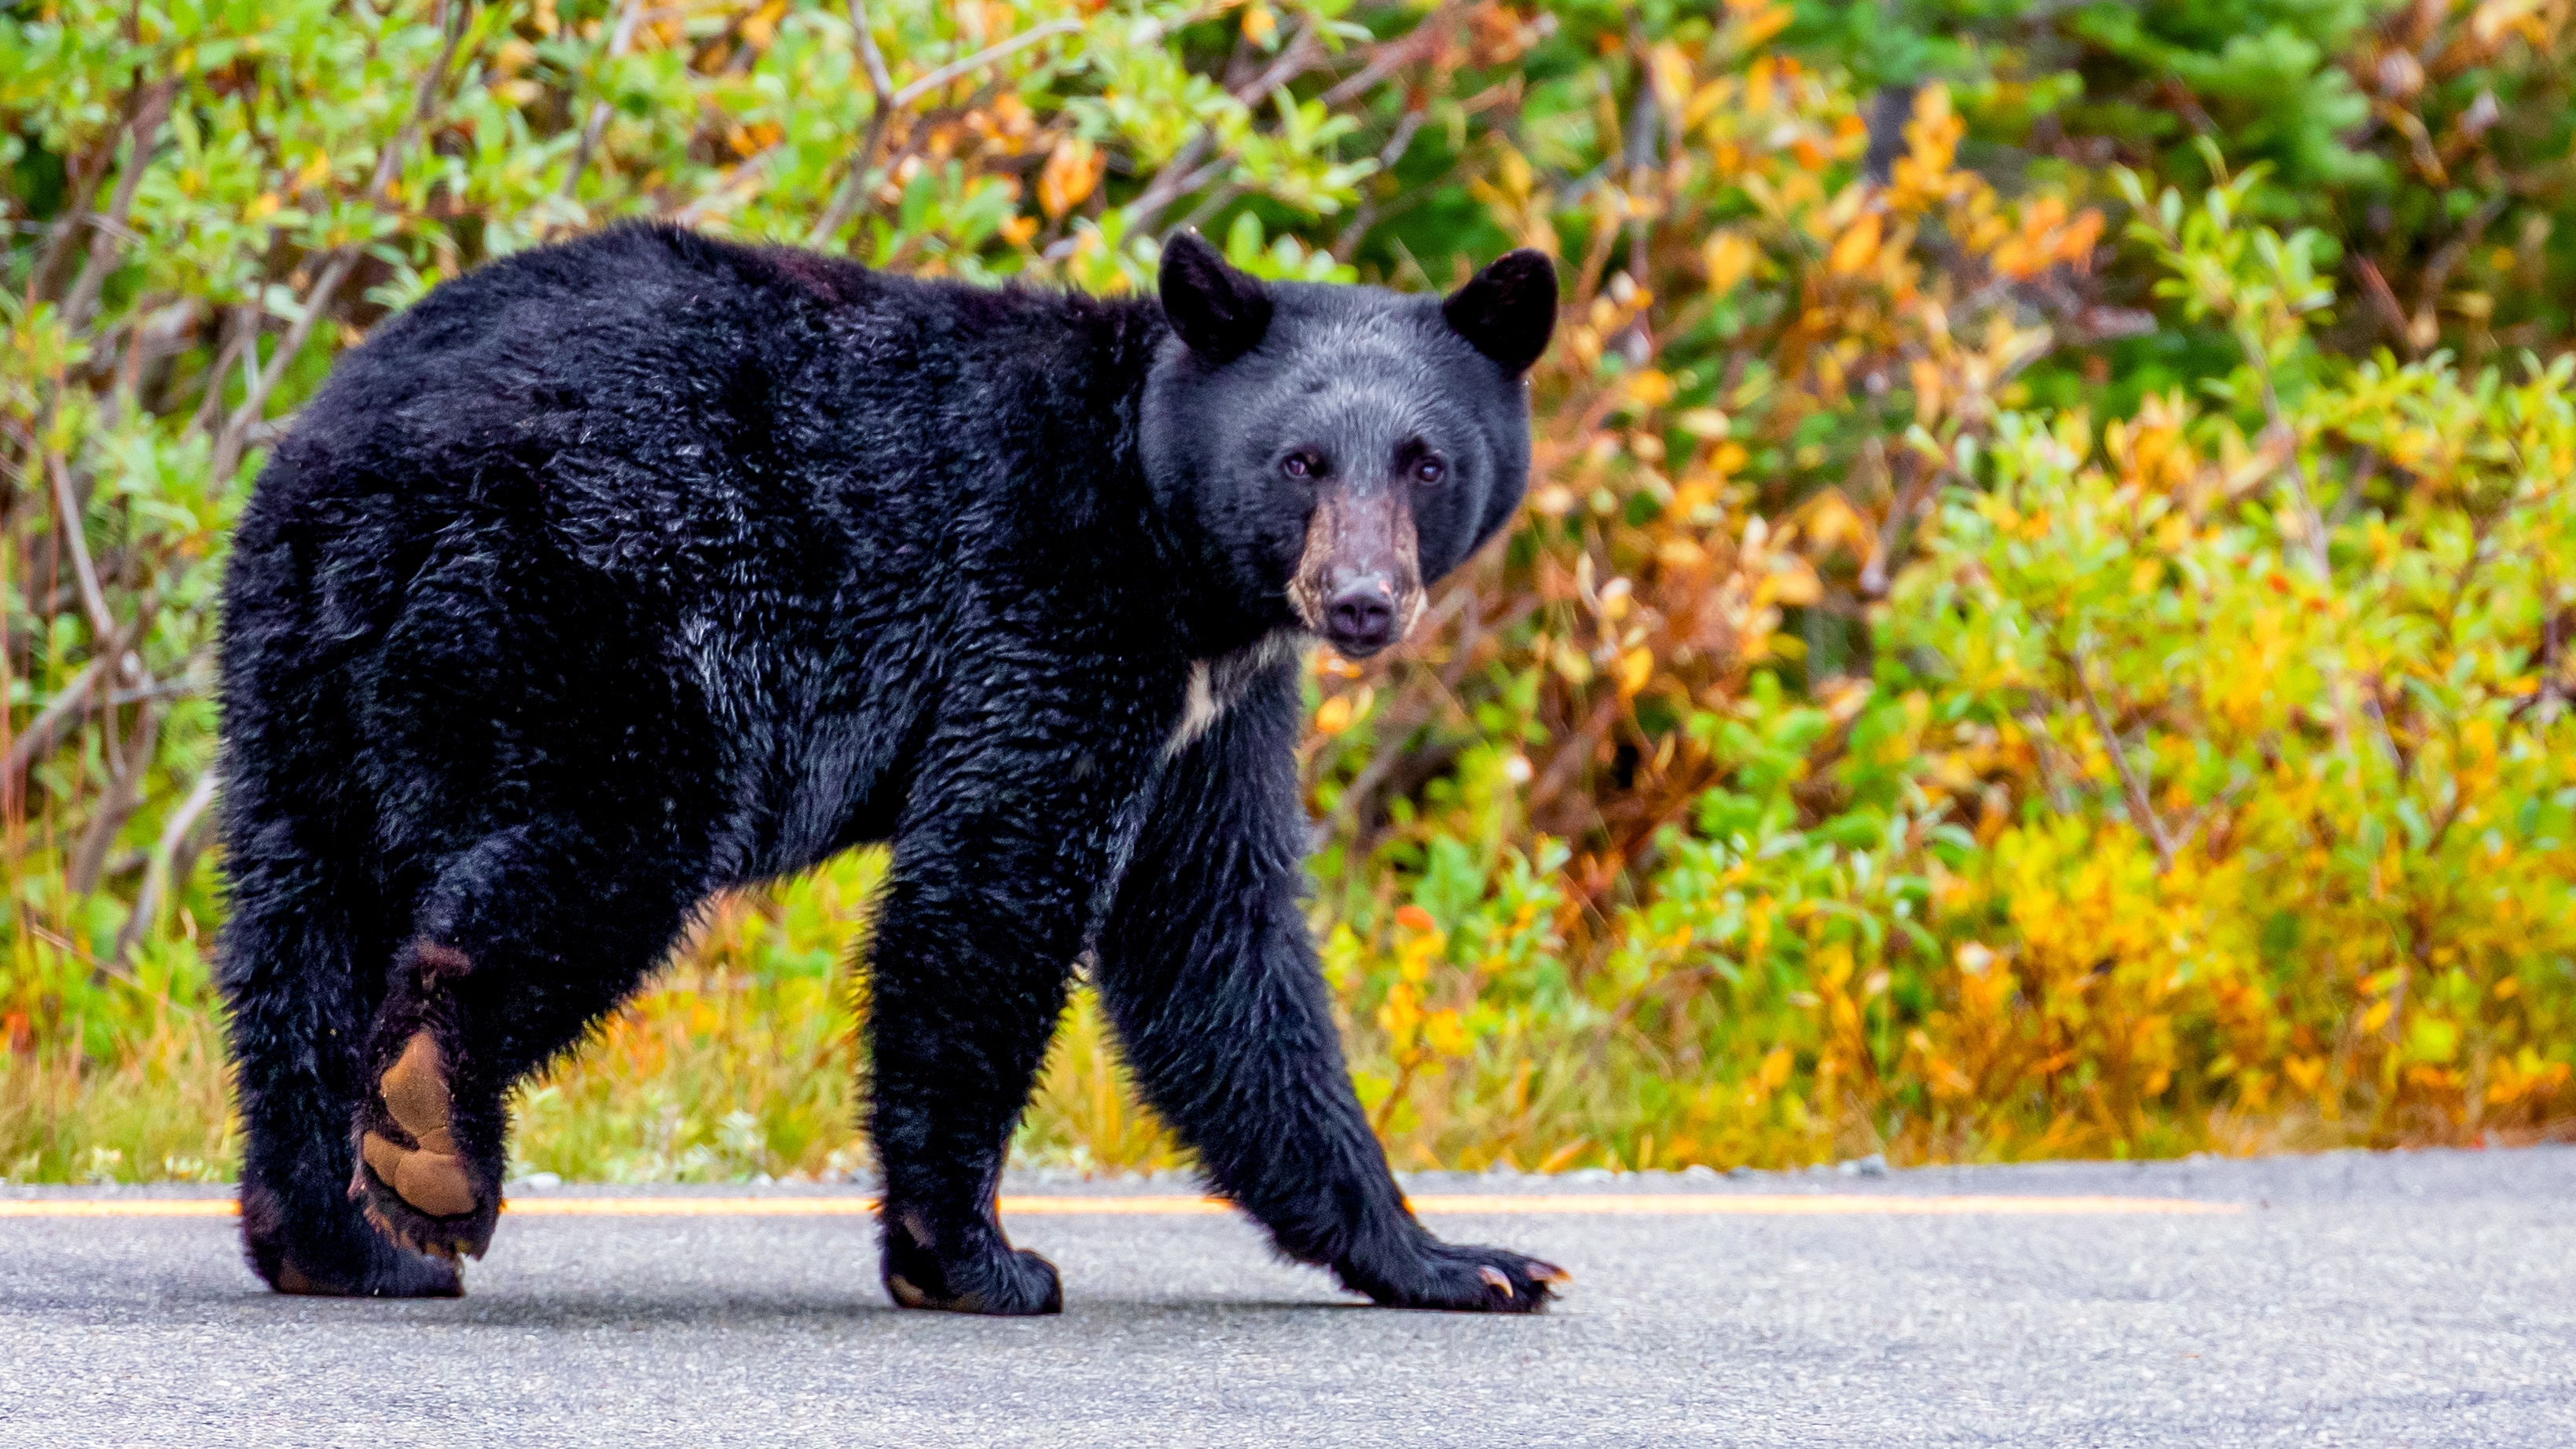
(1344, 446)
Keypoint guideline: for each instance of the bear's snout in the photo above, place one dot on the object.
(1359, 583)
(1360, 619)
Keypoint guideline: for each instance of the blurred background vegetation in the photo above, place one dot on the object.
(2042, 625)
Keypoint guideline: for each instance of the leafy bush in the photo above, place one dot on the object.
(2060, 654)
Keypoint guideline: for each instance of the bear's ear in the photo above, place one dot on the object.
(1220, 312)
(1508, 309)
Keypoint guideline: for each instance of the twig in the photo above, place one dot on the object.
(2400, 763)
(2211, 807)
(127, 760)
(2277, 429)
(102, 623)
(863, 35)
(2350, 497)
(1394, 55)
(2142, 810)
(1217, 199)
(1168, 183)
(99, 970)
(881, 91)
(628, 14)
(1910, 502)
(162, 874)
(2437, 272)
(81, 186)
(2383, 300)
(229, 446)
(37, 740)
(1644, 139)
(2478, 528)
(1182, 174)
(888, 101)
(241, 328)
(1568, 760)
(1355, 230)
(955, 68)
(179, 688)
(111, 229)
(2047, 751)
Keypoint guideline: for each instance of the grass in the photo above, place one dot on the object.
(715, 1076)
(708, 1077)
(741, 1061)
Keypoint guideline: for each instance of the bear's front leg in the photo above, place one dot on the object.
(962, 998)
(1206, 969)
(996, 864)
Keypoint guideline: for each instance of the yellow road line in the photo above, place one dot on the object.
(1554, 1205)
(164, 1207)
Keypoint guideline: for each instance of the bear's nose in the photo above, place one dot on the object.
(1360, 617)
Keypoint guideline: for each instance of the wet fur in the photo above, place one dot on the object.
(621, 573)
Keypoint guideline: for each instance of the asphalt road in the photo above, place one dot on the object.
(2420, 1299)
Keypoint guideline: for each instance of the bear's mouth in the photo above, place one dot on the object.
(1358, 585)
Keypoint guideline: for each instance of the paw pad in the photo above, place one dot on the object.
(432, 1176)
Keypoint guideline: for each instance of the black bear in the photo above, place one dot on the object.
(622, 572)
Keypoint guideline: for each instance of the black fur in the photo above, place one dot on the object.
(622, 572)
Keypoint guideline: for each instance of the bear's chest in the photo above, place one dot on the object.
(1215, 685)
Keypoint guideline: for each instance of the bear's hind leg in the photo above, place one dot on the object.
(518, 950)
(428, 1136)
(296, 1017)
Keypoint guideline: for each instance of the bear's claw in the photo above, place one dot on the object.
(998, 1280)
(1459, 1279)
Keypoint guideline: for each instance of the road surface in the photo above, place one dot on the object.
(2414, 1299)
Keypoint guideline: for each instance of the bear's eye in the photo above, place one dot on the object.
(1298, 465)
(1430, 470)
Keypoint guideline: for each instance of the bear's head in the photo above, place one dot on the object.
(1336, 449)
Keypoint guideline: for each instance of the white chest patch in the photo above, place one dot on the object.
(1199, 710)
(1217, 683)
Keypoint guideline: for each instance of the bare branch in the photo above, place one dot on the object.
(1911, 502)
(102, 623)
(2437, 271)
(110, 229)
(128, 761)
(98, 970)
(1170, 182)
(2383, 300)
(1182, 174)
(845, 203)
(955, 68)
(1365, 215)
(2201, 816)
(864, 36)
(163, 874)
(2142, 809)
(628, 14)
(2047, 751)
(83, 185)
(326, 285)
(1394, 55)
(2278, 433)
(241, 329)
(1568, 761)
(37, 740)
